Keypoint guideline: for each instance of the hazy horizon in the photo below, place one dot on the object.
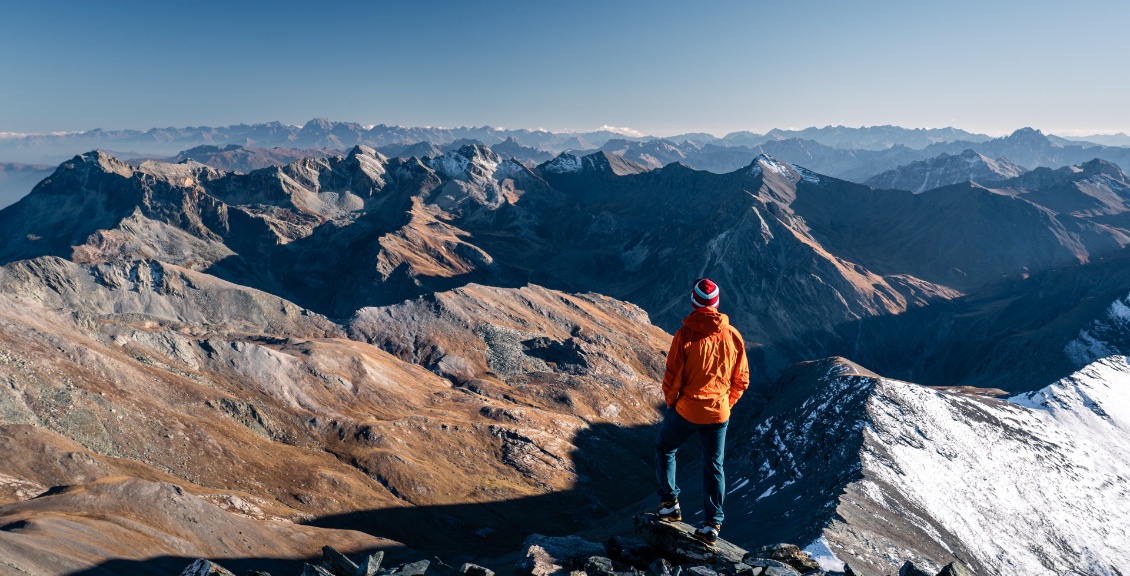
(625, 130)
(660, 68)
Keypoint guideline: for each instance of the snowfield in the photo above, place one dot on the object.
(1037, 484)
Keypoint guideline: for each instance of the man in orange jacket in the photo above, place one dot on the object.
(707, 372)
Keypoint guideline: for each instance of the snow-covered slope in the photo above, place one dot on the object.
(884, 471)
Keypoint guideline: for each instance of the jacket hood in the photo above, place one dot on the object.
(706, 321)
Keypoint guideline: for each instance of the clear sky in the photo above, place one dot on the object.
(660, 67)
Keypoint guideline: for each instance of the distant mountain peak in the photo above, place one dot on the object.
(1031, 136)
(468, 161)
(1098, 166)
(105, 162)
(946, 169)
(597, 162)
(564, 163)
(765, 163)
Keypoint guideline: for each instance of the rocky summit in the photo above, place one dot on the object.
(450, 362)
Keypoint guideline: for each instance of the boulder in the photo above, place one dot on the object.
(312, 570)
(955, 569)
(599, 566)
(202, 567)
(770, 567)
(789, 554)
(475, 570)
(337, 563)
(371, 565)
(699, 571)
(676, 541)
(538, 562)
(909, 569)
(660, 567)
(633, 551)
(418, 568)
(557, 554)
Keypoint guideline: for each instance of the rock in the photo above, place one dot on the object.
(660, 567)
(700, 571)
(564, 552)
(371, 565)
(743, 569)
(630, 550)
(257, 573)
(848, 571)
(789, 554)
(440, 568)
(311, 570)
(770, 567)
(475, 570)
(676, 541)
(202, 567)
(955, 569)
(337, 563)
(909, 569)
(418, 568)
(599, 566)
(538, 562)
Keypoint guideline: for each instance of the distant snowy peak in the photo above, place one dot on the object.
(468, 162)
(764, 164)
(564, 163)
(601, 162)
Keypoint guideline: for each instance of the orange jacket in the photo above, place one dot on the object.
(707, 370)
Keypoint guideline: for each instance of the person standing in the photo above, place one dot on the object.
(707, 372)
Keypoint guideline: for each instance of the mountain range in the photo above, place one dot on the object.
(454, 350)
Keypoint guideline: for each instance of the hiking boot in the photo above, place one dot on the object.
(708, 533)
(670, 511)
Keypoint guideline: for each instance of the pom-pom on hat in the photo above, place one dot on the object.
(704, 293)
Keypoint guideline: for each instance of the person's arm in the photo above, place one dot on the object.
(673, 376)
(739, 380)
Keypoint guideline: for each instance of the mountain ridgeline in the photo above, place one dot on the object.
(803, 258)
(454, 349)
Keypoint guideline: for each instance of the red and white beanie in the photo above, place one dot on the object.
(705, 293)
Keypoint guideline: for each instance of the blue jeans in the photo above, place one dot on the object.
(672, 433)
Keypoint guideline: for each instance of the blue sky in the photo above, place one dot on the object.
(660, 67)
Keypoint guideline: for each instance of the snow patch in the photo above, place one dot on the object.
(822, 553)
(741, 484)
(806, 175)
(564, 163)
